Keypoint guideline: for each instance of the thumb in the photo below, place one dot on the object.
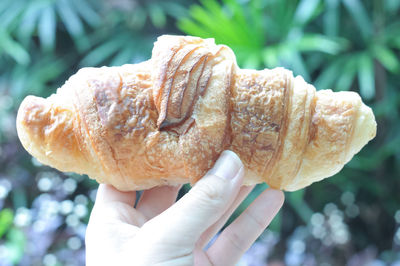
(205, 203)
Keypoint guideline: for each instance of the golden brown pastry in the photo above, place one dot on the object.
(166, 120)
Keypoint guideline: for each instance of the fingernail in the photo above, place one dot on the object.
(227, 166)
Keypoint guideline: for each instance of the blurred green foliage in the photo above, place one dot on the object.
(6, 220)
(334, 44)
(262, 33)
(45, 41)
(339, 45)
(15, 237)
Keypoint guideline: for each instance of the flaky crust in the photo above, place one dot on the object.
(166, 120)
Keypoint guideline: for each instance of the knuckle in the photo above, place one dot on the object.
(236, 241)
(213, 192)
(257, 221)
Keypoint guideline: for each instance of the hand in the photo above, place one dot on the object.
(161, 232)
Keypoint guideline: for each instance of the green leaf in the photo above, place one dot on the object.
(157, 15)
(13, 48)
(387, 58)
(72, 23)
(6, 220)
(249, 27)
(204, 19)
(173, 9)
(49, 68)
(295, 199)
(395, 42)
(47, 28)
(87, 12)
(360, 16)
(237, 11)
(296, 63)
(188, 26)
(216, 22)
(252, 61)
(329, 75)
(305, 11)
(270, 55)
(138, 18)
(28, 21)
(259, 23)
(276, 223)
(315, 61)
(366, 76)
(15, 245)
(392, 6)
(104, 51)
(232, 20)
(331, 17)
(123, 57)
(321, 43)
(4, 4)
(392, 29)
(19, 197)
(11, 13)
(228, 24)
(346, 77)
(70, 18)
(391, 36)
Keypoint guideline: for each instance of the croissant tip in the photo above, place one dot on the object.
(365, 127)
(28, 128)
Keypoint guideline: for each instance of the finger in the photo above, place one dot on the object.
(156, 200)
(241, 234)
(107, 193)
(205, 203)
(112, 205)
(211, 231)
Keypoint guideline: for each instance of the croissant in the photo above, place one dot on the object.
(166, 120)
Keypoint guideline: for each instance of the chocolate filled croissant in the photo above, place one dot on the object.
(166, 121)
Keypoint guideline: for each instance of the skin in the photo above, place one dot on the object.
(160, 231)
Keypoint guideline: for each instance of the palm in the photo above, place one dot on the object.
(114, 217)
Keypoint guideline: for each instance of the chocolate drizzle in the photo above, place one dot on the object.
(186, 78)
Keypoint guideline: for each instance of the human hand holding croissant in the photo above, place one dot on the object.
(158, 231)
(166, 121)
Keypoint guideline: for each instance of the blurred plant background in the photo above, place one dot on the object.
(350, 219)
